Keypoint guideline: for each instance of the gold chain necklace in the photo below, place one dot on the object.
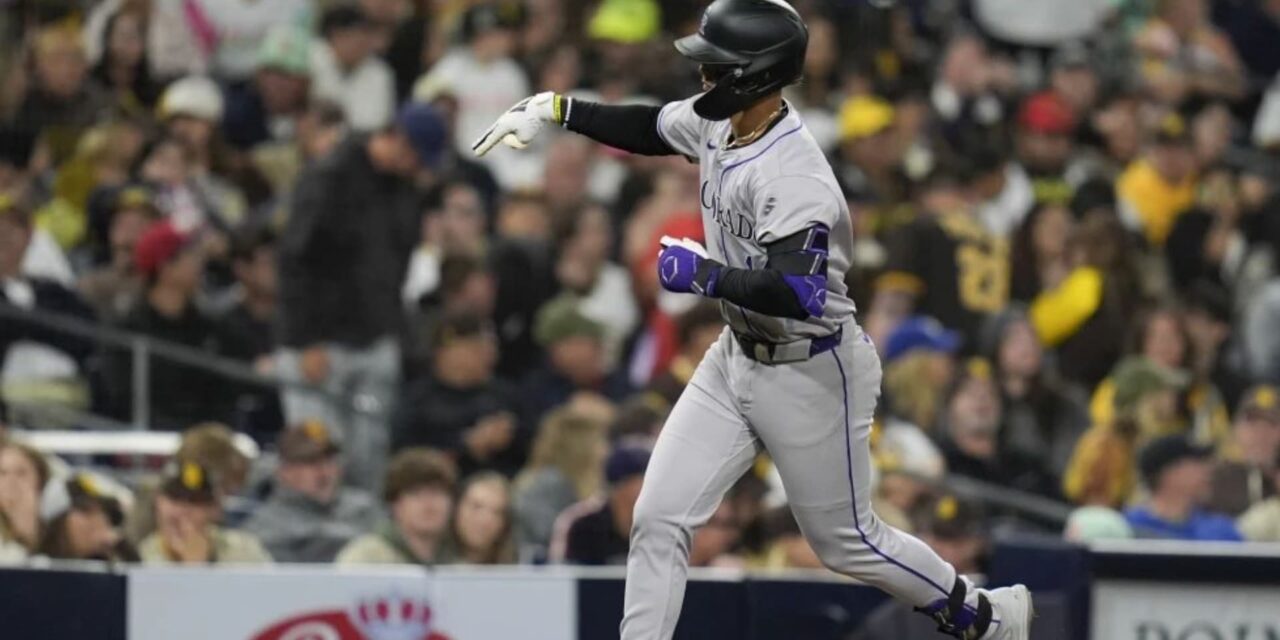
(757, 132)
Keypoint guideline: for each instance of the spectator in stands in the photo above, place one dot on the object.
(1158, 334)
(1183, 55)
(1046, 127)
(1082, 317)
(872, 151)
(1244, 473)
(1200, 240)
(231, 32)
(310, 516)
(584, 245)
(1178, 475)
(1040, 256)
(459, 407)
(60, 104)
(1261, 523)
(923, 274)
(697, 329)
(482, 76)
(172, 264)
(122, 70)
(910, 467)
(41, 363)
(190, 111)
(575, 362)
(454, 225)
(210, 445)
(23, 476)
(113, 288)
(954, 529)
(565, 466)
(83, 523)
(1161, 185)
(187, 533)
(919, 366)
(1101, 471)
(482, 529)
(466, 288)
(246, 331)
(345, 249)
(418, 492)
(267, 107)
(972, 423)
(346, 71)
(1043, 417)
(597, 531)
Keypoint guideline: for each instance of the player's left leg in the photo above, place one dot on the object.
(816, 426)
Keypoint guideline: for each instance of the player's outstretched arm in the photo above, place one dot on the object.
(632, 128)
(793, 284)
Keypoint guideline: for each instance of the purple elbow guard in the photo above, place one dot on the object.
(811, 291)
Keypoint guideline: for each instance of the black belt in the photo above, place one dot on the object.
(784, 352)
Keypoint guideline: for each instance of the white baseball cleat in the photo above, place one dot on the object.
(1014, 610)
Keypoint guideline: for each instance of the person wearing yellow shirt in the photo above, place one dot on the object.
(1161, 184)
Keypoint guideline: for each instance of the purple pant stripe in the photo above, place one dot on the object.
(848, 456)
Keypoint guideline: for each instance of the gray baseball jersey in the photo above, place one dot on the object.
(754, 195)
(813, 416)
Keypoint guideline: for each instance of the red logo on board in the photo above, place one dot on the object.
(393, 617)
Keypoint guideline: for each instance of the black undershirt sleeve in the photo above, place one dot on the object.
(760, 290)
(632, 128)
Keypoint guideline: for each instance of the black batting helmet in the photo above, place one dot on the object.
(749, 49)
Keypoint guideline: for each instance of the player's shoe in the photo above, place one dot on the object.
(1013, 609)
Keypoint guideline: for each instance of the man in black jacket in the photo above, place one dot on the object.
(460, 407)
(343, 256)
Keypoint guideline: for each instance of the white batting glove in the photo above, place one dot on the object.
(688, 243)
(520, 124)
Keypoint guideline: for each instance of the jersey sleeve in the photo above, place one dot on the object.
(790, 204)
(680, 127)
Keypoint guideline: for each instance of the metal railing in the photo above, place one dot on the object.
(143, 348)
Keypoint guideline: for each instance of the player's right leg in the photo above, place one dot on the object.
(816, 426)
(704, 447)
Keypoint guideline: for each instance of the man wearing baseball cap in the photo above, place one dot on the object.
(310, 516)
(1159, 186)
(353, 225)
(187, 511)
(171, 264)
(1046, 126)
(1177, 474)
(1244, 474)
(597, 530)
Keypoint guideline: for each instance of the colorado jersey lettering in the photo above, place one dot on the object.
(752, 196)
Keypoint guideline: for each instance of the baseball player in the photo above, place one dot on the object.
(793, 373)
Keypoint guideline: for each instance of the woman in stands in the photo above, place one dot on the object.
(23, 474)
(481, 530)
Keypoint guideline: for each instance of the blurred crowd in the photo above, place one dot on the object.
(1067, 222)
